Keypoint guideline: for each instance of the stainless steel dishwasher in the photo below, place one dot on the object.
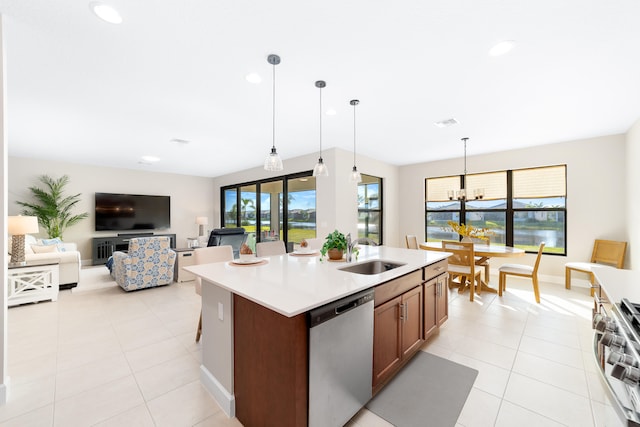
(340, 359)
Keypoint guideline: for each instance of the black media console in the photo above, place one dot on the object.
(103, 247)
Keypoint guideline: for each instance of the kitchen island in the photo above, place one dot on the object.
(255, 323)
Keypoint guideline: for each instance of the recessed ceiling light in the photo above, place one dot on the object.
(150, 159)
(253, 78)
(179, 141)
(105, 12)
(502, 48)
(446, 123)
(331, 112)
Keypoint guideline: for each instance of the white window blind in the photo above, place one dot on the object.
(539, 183)
(493, 183)
(437, 188)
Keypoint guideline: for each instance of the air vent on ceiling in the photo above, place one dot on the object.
(446, 123)
(179, 141)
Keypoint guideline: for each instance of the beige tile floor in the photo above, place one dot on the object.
(109, 358)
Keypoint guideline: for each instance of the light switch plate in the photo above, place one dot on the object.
(220, 311)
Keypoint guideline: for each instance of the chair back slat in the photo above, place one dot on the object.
(462, 252)
(609, 252)
(412, 241)
(537, 264)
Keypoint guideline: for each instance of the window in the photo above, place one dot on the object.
(522, 207)
(370, 208)
(262, 206)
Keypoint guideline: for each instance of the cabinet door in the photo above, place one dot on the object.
(411, 319)
(430, 307)
(386, 339)
(442, 307)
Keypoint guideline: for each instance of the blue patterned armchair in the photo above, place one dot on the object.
(148, 263)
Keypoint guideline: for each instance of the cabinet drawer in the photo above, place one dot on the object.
(395, 287)
(434, 270)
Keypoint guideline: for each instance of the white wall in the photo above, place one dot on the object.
(191, 196)
(596, 185)
(633, 198)
(3, 224)
(336, 196)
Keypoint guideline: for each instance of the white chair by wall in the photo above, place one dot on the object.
(276, 247)
(521, 271)
(206, 256)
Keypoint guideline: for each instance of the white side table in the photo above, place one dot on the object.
(184, 258)
(32, 283)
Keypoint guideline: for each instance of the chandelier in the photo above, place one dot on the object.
(461, 195)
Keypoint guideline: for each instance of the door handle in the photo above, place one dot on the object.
(402, 312)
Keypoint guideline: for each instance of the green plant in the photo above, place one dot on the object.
(51, 207)
(335, 240)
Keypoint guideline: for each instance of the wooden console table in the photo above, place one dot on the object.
(36, 281)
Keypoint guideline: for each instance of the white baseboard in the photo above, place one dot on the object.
(4, 391)
(226, 400)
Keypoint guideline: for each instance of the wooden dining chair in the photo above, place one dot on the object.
(205, 256)
(605, 252)
(412, 241)
(521, 270)
(275, 247)
(461, 265)
(480, 262)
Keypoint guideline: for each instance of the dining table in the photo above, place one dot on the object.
(482, 252)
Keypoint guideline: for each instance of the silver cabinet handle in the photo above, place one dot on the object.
(402, 312)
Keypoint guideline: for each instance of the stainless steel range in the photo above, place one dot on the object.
(617, 349)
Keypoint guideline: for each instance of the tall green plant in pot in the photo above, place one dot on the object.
(53, 209)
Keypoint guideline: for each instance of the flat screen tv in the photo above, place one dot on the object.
(121, 212)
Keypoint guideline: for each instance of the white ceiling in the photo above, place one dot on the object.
(82, 90)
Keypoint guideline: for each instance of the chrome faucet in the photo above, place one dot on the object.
(353, 244)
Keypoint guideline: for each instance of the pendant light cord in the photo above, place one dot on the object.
(464, 181)
(274, 108)
(354, 133)
(320, 122)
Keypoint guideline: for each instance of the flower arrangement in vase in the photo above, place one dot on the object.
(469, 232)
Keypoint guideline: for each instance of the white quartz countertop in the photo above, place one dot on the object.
(618, 284)
(291, 285)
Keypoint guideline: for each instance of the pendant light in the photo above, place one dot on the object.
(355, 175)
(320, 168)
(462, 194)
(273, 162)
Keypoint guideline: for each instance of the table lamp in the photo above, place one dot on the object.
(18, 226)
(201, 221)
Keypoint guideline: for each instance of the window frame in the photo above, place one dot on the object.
(510, 211)
(380, 209)
(284, 179)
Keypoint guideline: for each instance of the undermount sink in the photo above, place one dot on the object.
(374, 266)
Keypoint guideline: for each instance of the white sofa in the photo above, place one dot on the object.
(66, 253)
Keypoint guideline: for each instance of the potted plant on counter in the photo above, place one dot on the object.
(334, 246)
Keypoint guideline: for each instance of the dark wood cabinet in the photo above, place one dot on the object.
(387, 351)
(411, 321)
(398, 326)
(436, 304)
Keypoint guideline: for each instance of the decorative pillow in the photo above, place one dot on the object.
(44, 249)
(54, 241)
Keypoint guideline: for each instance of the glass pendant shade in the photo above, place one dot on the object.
(320, 169)
(355, 176)
(273, 162)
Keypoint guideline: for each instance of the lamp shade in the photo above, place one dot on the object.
(202, 220)
(20, 225)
